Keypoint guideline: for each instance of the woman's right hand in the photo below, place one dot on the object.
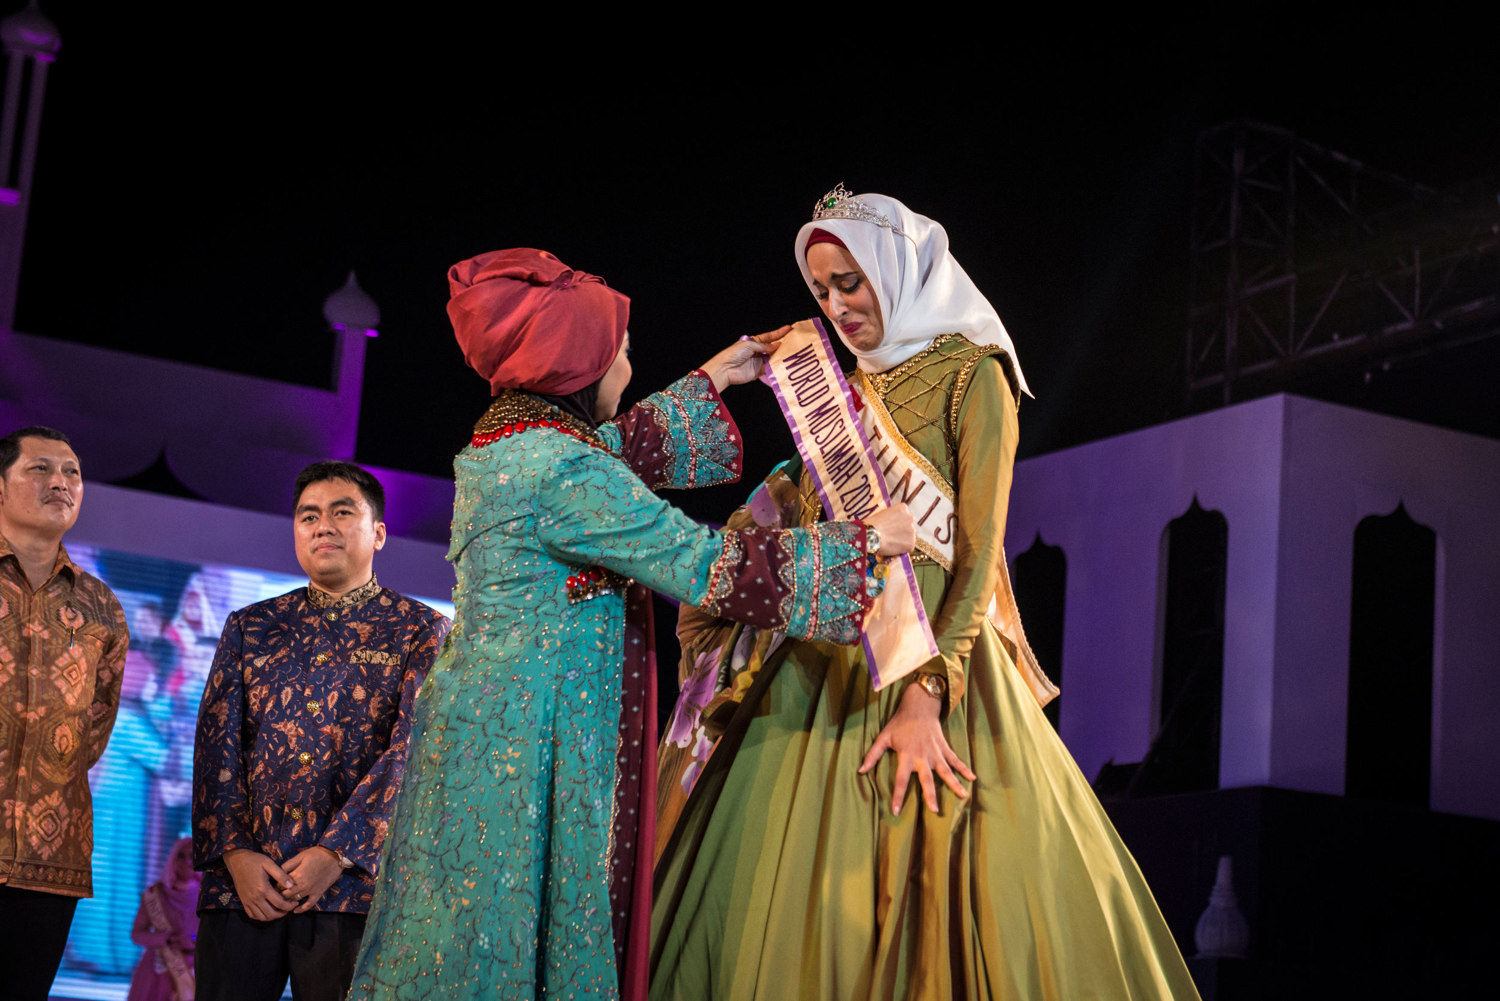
(897, 528)
(743, 360)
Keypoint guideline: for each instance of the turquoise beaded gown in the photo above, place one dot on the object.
(525, 812)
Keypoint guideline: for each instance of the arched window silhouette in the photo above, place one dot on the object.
(1389, 743)
(1185, 754)
(1041, 583)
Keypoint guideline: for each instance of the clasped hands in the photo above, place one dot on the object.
(269, 891)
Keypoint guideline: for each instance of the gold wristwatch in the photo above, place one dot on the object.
(934, 684)
(345, 862)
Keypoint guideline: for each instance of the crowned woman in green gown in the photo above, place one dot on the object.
(791, 860)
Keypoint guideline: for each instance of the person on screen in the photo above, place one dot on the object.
(63, 640)
(121, 782)
(166, 927)
(300, 746)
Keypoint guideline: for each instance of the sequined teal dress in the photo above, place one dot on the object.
(524, 814)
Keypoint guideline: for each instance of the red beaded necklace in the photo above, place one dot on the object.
(594, 581)
(483, 438)
(513, 412)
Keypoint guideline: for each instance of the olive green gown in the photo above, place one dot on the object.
(784, 875)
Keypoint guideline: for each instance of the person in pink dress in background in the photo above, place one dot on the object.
(167, 927)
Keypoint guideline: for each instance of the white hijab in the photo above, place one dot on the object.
(922, 291)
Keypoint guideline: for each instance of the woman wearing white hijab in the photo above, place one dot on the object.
(790, 861)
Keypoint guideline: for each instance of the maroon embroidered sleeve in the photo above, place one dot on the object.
(682, 437)
(807, 582)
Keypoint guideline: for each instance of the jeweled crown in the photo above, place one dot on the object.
(840, 204)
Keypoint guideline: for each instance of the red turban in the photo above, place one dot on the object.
(525, 320)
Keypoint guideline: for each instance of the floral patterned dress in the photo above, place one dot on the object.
(524, 817)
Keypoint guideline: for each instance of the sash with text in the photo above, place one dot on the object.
(820, 411)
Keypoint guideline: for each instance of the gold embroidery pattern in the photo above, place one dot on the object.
(319, 598)
(511, 406)
(915, 386)
(909, 387)
(721, 573)
(809, 504)
(966, 372)
(881, 382)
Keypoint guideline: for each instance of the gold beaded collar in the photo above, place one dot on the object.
(881, 382)
(514, 410)
(318, 598)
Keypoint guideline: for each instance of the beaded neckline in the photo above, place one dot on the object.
(513, 412)
(881, 382)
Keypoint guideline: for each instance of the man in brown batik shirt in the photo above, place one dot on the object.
(62, 653)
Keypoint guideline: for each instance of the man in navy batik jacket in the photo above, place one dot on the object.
(301, 743)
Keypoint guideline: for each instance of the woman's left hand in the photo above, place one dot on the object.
(743, 360)
(916, 735)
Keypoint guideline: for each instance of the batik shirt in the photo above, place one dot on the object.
(303, 730)
(62, 655)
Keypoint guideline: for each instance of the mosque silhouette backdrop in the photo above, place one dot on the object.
(1274, 621)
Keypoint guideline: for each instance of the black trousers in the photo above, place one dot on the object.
(238, 959)
(33, 932)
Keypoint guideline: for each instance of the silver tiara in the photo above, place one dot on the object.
(840, 204)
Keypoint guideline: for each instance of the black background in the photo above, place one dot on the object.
(208, 175)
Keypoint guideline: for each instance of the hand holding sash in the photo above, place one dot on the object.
(743, 360)
(897, 528)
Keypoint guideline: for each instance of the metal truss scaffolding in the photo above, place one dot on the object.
(1304, 259)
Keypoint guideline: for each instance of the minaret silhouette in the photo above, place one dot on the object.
(29, 39)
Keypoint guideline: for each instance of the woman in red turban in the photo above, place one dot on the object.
(518, 863)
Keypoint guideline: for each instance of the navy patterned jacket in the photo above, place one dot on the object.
(302, 733)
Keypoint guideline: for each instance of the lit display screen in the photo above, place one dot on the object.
(142, 784)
